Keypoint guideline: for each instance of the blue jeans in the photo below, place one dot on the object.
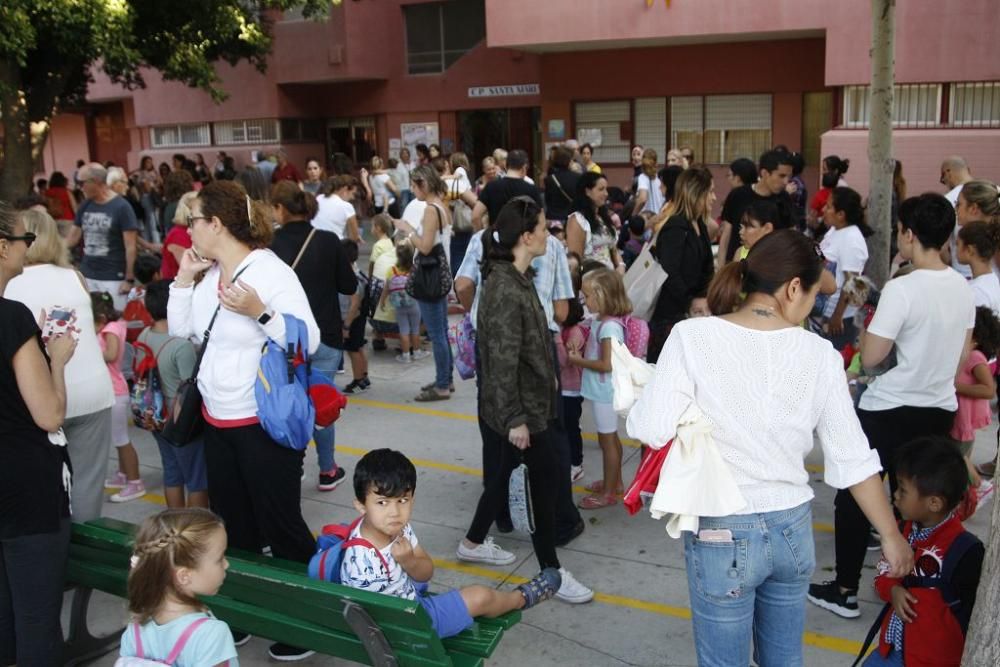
(753, 587)
(894, 659)
(326, 360)
(435, 317)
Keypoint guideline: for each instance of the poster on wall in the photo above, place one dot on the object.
(418, 133)
(394, 146)
(557, 129)
(590, 135)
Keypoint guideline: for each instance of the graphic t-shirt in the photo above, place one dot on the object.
(103, 244)
(362, 568)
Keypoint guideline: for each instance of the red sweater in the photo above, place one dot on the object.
(934, 638)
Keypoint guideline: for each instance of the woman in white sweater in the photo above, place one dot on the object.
(766, 385)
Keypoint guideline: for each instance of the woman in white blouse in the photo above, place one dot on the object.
(766, 386)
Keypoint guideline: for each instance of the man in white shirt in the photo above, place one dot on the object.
(954, 174)
(925, 319)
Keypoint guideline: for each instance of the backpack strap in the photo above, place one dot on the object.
(138, 641)
(872, 633)
(956, 552)
(183, 640)
(362, 542)
(559, 185)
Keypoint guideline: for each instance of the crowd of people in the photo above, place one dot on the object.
(764, 331)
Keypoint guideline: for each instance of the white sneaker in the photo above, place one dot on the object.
(576, 473)
(404, 358)
(985, 491)
(571, 590)
(487, 552)
(420, 354)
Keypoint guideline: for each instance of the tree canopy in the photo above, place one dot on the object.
(49, 49)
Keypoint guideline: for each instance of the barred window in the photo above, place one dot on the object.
(601, 124)
(974, 104)
(258, 131)
(175, 136)
(651, 124)
(914, 105)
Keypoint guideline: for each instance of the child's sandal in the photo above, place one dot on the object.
(543, 586)
(597, 501)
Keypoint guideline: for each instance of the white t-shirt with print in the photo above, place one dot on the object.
(363, 569)
(847, 251)
(986, 291)
(333, 214)
(927, 313)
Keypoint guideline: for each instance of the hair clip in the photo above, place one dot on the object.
(249, 210)
(496, 236)
(133, 562)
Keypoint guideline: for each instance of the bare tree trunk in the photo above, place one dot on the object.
(15, 176)
(880, 140)
(982, 644)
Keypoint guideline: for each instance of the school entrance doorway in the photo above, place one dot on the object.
(482, 130)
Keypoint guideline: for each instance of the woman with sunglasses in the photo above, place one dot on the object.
(49, 283)
(34, 469)
(748, 573)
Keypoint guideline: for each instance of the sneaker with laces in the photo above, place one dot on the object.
(828, 596)
(420, 354)
(404, 358)
(542, 587)
(328, 481)
(116, 481)
(571, 590)
(287, 653)
(985, 492)
(488, 552)
(132, 490)
(355, 387)
(576, 473)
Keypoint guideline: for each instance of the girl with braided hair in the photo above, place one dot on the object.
(179, 555)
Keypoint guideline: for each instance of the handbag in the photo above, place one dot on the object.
(186, 422)
(643, 282)
(461, 221)
(430, 279)
(522, 515)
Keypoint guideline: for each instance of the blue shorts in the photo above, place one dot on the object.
(449, 615)
(183, 466)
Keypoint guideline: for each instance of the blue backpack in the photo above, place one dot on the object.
(330, 546)
(284, 376)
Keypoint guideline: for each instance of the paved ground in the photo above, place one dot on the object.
(640, 615)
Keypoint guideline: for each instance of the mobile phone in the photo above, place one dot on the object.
(59, 320)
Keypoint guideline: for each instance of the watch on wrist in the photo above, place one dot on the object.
(264, 318)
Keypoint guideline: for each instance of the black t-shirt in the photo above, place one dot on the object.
(324, 273)
(560, 188)
(33, 498)
(502, 190)
(736, 203)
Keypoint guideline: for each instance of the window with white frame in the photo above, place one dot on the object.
(974, 104)
(175, 136)
(914, 105)
(257, 131)
(651, 124)
(721, 128)
(600, 124)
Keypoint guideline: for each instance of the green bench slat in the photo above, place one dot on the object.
(253, 579)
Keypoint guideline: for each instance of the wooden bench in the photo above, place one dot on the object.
(273, 598)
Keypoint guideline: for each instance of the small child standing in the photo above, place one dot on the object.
(111, 336)
(604, 295)
(760, 219)
(924, 627)
(975, 387)
(396, 564)
(179, 555)
(407, 311)
(573, 337)
(382, 229)
(355, 316)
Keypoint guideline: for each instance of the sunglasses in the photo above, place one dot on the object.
(28, 238)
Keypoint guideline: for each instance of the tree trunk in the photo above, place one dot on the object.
(982, 644)
(880, 140)
(15, 176)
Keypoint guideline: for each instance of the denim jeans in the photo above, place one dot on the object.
(753, 587)
(894, 659)
(435, 317)
(326, 360)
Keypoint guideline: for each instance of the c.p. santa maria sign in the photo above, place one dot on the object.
(505, 91)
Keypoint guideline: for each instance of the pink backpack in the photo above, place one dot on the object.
(140, 659)
(636, 334)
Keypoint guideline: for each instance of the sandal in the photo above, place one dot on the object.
(596, 502)
(542, 587)
(432, 385)
(597, 487)
(427, 395)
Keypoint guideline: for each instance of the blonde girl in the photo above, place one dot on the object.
(604, 295)
(180, 554)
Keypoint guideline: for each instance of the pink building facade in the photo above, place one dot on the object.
(728, 79)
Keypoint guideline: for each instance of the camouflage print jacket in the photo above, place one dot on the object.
(515, 347)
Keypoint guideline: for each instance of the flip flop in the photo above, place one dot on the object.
(432, 385)
(597, 487)
(428, 395)
(597, 502)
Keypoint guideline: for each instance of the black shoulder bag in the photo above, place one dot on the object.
(430, 279)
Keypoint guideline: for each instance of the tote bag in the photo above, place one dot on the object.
(643, 282)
